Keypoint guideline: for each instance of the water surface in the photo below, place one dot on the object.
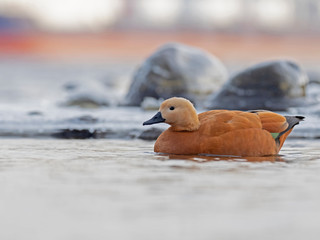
(120, 189)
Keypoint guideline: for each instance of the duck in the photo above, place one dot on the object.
(252, 133)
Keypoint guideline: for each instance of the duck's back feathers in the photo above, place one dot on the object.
(218, 122)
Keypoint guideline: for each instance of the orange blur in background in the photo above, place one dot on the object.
(137, 45)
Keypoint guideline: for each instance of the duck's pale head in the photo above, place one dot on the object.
(179, 113)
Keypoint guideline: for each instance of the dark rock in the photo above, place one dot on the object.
(274, 85)
(74, 134)
(176, 70)
(150, 134)
(35, 113)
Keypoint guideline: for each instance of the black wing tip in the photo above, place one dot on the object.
(293, 120)
(301, 118)
(257, 111)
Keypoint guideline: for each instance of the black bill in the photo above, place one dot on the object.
(155, 119)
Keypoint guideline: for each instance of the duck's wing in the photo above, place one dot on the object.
(272, 122)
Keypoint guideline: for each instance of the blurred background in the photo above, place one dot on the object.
(233, 30)
(86, 53)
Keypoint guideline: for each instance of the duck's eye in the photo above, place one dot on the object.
(171, 108)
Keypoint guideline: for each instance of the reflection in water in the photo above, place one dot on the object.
(209, 157)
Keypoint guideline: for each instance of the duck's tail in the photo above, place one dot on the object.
(292, 121)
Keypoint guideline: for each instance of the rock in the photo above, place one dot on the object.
(273, 85)
(89, 94)
(70, 86)
(150, 134)
(176, 70)
(74, 134)
(35, 113)
(85, 101)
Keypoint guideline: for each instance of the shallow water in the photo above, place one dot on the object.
(120, 189)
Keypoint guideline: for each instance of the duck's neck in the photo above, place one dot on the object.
(189, 124)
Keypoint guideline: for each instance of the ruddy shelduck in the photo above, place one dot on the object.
(220, 132)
